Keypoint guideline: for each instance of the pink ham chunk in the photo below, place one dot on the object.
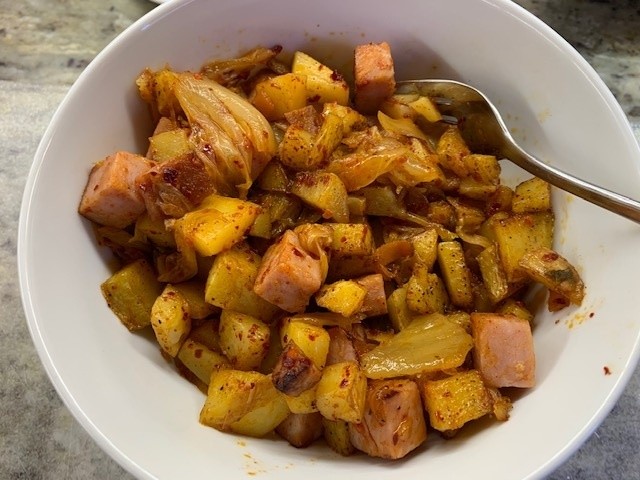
(288, 276)
(111, 197)
(503, 350)
(393, 423)
(375, 301)
(374, 76)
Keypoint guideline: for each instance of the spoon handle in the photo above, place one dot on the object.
(614, 202)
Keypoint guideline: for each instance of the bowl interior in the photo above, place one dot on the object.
(146, 416)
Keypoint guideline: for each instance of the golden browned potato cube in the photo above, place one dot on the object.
(193, 293)
(425, 248)
(296, 149)
(518, 234)
(219, 223)
(341, 392)
(243, 402)
(515, 307)
(207, 334)
(323, 84)
(351, 119)
(303, 403)
(275, 96)
(313, 340)
(533, 195)
(452, 149)
(170, 320)
(154, 231)
(399, 312)
(483, 168)
(456, 400)
(244, 340)
(324, 191)
(554, 272)
(200, 360)
(230, 283)
(344, 297)
(168, 145)
(336, 434)
(493, 274)
(351, 239)
(131, 292)
(455, 274)
(426, 292)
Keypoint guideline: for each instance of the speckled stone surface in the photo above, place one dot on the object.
(44, 45)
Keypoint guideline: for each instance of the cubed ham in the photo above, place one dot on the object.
(111, 197)
(301, 429)
(503, 350)
(393, 423)
(288, 276)
(374, 76)
(341, 347)
(375, 301)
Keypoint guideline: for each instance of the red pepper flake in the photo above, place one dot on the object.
(607, 370)
(591, 314)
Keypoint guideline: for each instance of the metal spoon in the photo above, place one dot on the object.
(484, 131)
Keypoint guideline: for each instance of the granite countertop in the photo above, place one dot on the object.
(44, 45)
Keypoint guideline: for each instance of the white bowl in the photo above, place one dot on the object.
(146, 417)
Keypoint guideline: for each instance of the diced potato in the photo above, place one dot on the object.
(323, 84)
(519, 234)
(296, 148)
(155, 231)
(344, 297)
(399, 312)
(275, 96)
(533, 195)
(456, 400)
(193, 293)
(493, 274)
(243, 402)
(429, 343)
(311, 339)
(426, 292)
(230, 283)
(164, 83)
(182, 264)
(336, 434)
(341, 392)
(516, 308)
(425, 248)
(351, 119)
(207, 335)
(455, 274)
(499, 201)
(483, 169)
(452, 149)
(351, 239)
(200, 360)
(170, 320)
(131, 292)
(168, 145)
(219, 223)
(554, 272)
(243, 339)
(324, 191)
(303, 403)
